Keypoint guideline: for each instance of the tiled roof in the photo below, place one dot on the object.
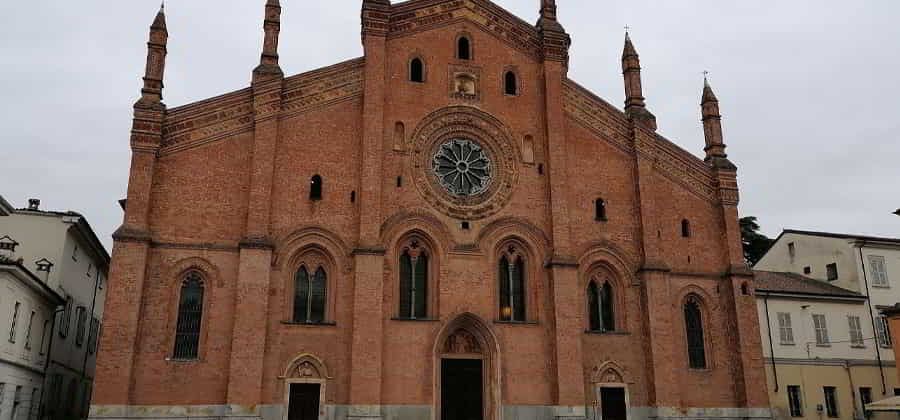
(841, 235)
(777, 282)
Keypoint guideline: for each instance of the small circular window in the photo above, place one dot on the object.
(462, 167)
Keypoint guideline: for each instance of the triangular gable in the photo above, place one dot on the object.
(419, 15)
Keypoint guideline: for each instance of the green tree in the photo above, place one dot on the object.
(755, 244)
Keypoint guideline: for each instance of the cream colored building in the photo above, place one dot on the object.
(821, 354)
(61, 249)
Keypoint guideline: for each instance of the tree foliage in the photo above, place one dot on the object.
(755, 243)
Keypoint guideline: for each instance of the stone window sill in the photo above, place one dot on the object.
(823, 345)
(182, 361)
(500, 321)
(597, 332)
(310, 324)
(415, 319)
(857, 346)
(788, 344)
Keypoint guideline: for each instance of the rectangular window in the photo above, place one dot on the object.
(878, 271)
(792, 251)
(831, 407)
(786, 331)
(865, 396)
(2, 399)
(883, 331)
(821, 330)
(34, 405)
(795, 402)
(856, 335)
(807, 270)
(897, 392)
(15, 319)
(17, 400)
(28, 331)
(80, 324)
(831, 269)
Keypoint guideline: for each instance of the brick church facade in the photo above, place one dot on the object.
(446, 228)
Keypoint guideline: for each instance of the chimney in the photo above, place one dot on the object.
(34, 204)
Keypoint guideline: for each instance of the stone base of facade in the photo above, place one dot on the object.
(412, 412)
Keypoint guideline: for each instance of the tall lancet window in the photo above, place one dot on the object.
(309, 296)
(190, 318)
(414, 282)
(512, 286)
(693, 320)
(463, 49)
(601, 306)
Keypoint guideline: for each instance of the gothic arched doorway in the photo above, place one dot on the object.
(467, 379)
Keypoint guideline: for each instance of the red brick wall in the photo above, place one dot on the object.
(199, 204)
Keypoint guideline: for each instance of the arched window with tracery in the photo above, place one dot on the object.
(190, 318)
(696, 344)
(414, 282)
(310, 296)
(601, 306)
(512, 285)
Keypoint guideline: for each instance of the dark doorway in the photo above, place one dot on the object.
(461, 389)
(612, 402)
(304, 404)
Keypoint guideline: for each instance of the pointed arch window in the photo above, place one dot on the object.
(512, 286)
(464, 48)
(310, 295)
(414, 283)
(696, 347)
(511, 83)
(417, 70)
(601, 306)
(190, 318)
(315, 187)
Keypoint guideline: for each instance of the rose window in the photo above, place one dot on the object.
(462, 167)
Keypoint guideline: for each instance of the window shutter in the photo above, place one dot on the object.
(607, 304)
(879, 271)
(405, 286)
(421, 286)
(505, 309)
(518, 291)
(317, 296)
(593, 306)
(301, 295)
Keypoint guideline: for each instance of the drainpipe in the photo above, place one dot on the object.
(771, 346)
(47, 362)
(862, 263)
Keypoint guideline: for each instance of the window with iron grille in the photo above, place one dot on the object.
(190, 317)
(695, 340)
(865, 397)
(15, 320)
(512, 286)
(309, 296)
(414, 284)
(883, 331)
(28, 331)
(795, 401)
(856, 335)
(878, 270)
(821, 330)
(785, 329)
(832, 271)
(831, 406)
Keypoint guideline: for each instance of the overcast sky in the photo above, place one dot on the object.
(809, 89)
